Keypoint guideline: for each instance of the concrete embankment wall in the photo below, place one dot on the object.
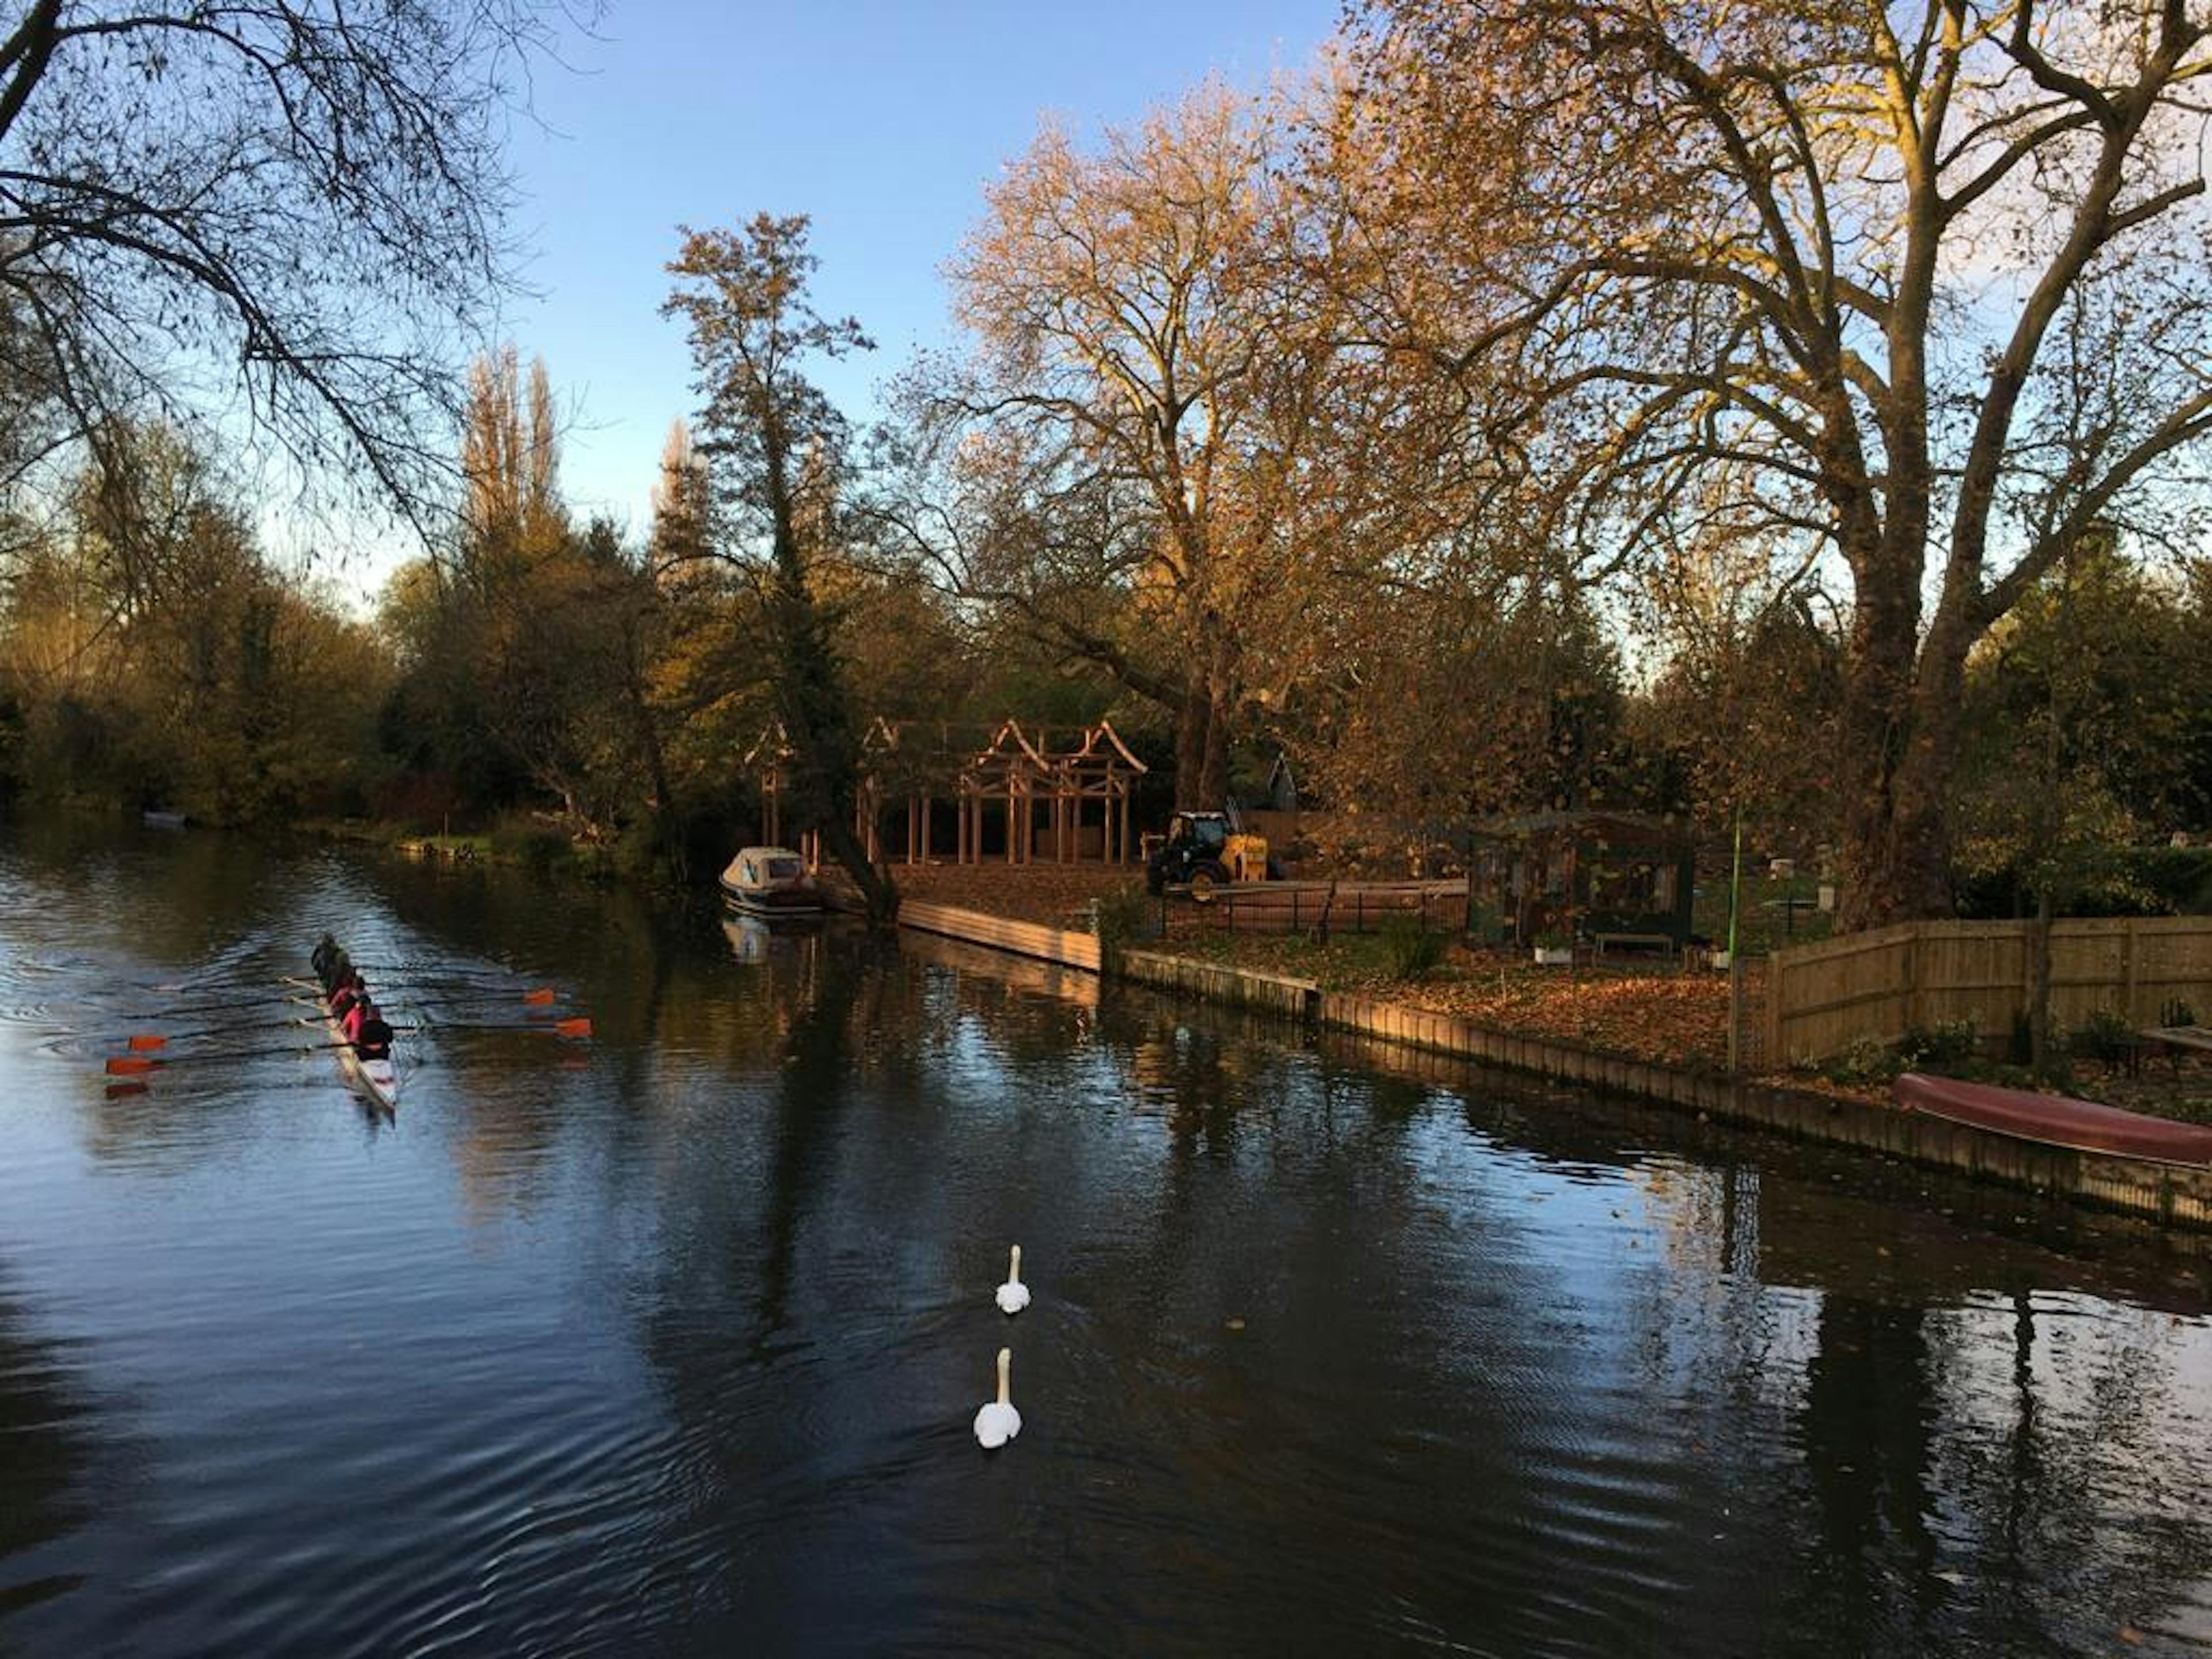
(1213, 982)
(1023, 939)
(2176, 1195)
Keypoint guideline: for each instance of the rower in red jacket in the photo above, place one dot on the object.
(372, 1037)
(347, 992)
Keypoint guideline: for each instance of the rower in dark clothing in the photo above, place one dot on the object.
(372, 1037)
(326, 960)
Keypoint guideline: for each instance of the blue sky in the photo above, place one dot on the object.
(883, 121)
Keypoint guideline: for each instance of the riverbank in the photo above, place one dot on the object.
(1656, 1031)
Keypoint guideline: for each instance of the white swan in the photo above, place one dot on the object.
(1013, 1294)
(998, 1421)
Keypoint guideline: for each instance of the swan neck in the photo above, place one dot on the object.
(1005, 1376)
(1014, 1266)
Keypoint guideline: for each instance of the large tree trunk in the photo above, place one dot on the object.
(1894, 859)
(878, 891)
(1201, 748)
(1901, 736)
(1214, 763)
(1190, 750)
(817, 717)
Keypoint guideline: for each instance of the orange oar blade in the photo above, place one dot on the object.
(129, 1065)
(146, 1041)
(576, 1028)
(542, 995)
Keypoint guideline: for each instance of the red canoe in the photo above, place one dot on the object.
(2055, 1119)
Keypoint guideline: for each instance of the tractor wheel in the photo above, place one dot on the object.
(1203, 881)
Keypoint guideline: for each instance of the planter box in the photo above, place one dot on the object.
(1555, 955)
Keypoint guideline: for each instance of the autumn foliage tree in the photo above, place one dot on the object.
(1153, 452)
(155, 656)
(1927, 285)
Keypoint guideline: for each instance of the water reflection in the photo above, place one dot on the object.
(46, 1459)
(669, 1342)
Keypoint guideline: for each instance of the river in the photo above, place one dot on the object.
(670, 1340)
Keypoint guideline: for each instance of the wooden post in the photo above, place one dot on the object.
(1775, 1056)
(1911, 979)
(1735, 1011)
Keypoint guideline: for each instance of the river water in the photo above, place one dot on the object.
(670, 1340)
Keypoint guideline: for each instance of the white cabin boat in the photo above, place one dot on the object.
(771, 881)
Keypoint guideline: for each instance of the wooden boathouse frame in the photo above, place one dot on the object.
(1012, 773)
(1013, 778)
(770, 754)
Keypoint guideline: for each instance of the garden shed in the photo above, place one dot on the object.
(1605, 877)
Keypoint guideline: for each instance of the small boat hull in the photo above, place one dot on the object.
(2084, 1126)
(754, 904)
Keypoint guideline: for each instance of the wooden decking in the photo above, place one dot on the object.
(2197, 1037)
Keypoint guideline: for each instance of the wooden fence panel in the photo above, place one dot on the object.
(1343, 906)
(1878, 984)
(1822, 998)
(1967, 971)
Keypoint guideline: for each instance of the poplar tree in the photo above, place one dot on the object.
(776, 451)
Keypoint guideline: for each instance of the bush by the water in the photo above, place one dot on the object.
(1122, 917)
(1950, 1047)
(1410, 947)
(531, 842)
(2106, 1035)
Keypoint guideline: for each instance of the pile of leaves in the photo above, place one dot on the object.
(1053, 894)
(1656, 1010)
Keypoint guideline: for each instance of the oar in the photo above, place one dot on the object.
(578, 1027)
(271, 993)
(140, 1042)
(536, 997)
(495, 978)
(134, 1065)
(170, 987)
(429, 973)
